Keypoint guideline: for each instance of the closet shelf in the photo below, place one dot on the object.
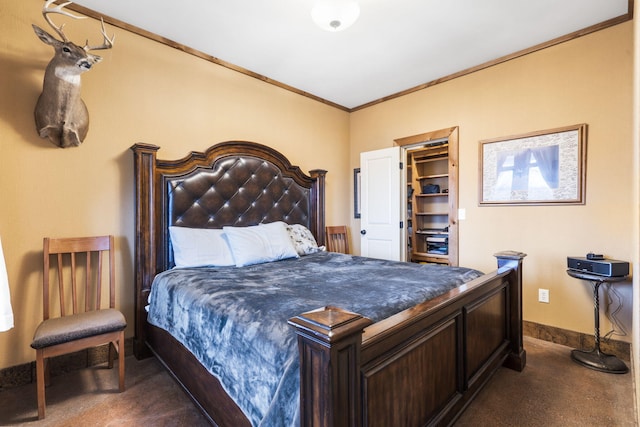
(433, 195)
(439, 175)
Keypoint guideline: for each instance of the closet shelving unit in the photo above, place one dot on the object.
(432, 231)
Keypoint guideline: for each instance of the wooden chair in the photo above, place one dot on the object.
(337, 239)
(80, 326)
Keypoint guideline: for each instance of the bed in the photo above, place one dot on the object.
(421, 365)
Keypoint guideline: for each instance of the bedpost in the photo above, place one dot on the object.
(144, 161)
(517, 359)
(329, 341)
(317, 208)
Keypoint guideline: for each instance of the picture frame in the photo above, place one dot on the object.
(545, 167)
(356, 193)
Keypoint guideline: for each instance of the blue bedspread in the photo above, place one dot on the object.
(234, 320)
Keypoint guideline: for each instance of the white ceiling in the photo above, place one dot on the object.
(395, 45)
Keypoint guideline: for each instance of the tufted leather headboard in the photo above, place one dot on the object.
(237, 191)
(232, 183)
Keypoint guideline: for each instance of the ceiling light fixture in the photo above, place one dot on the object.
(335, 15)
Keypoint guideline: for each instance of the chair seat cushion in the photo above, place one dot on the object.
(69, 328)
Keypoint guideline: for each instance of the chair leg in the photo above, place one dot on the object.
(121, 361)
(110, 354)
(47, 372)
(40, 382)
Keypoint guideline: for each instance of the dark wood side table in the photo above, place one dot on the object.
(596, 359)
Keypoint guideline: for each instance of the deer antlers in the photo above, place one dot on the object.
(107, 44)
(59, 9)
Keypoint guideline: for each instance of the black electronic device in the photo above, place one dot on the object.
(591, 255)
(599, 266)
(430, 189)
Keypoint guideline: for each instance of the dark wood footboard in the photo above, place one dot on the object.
(420, 367)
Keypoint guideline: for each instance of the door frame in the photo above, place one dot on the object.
(406, 143)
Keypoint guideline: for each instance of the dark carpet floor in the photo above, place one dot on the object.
(551, 391)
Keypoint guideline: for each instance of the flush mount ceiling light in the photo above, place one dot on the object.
(335, 15)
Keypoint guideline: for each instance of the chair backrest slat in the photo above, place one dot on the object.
(337, 239)
(74, 285)
(99, 284)
(61, 285)
(87, 281)
(88, 247)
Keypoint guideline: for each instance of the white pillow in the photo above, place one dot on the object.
(260, 243)
(302, 239)
(195, 247)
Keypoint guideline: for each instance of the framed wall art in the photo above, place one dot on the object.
(538, 168)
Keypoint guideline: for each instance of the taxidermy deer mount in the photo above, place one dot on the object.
(60, 114)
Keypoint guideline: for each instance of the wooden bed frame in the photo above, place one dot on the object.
(419, 367)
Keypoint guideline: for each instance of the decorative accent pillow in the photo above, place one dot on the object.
(195, 247)
(302, 239)
(260, 243)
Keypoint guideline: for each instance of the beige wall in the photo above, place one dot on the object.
(587, 80)
(141, 92)
(146, 92)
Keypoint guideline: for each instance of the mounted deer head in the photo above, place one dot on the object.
(60, 114)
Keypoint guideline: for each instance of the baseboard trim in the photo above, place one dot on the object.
(19, 375)
(577, 340)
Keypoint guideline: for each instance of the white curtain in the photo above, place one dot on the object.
(6, 313)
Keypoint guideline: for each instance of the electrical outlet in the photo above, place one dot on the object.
(543, 295)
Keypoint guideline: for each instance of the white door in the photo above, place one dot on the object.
(380, 204)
